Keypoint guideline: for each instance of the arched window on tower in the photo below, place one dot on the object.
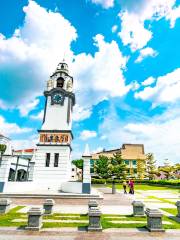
(60, 82)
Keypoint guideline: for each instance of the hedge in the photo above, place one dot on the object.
(153, 182)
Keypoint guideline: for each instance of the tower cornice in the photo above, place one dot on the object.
(62, 91)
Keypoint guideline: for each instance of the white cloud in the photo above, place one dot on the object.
(38, 116)
(29, 56)
(80, 113)
(133, 16)
(101, 76)
(19, 144)
(104, 3)
(98, 149)
(86, 134)
(158, 134)
(144, 53)
(11, 128)
(166, 90)
(148, 81)
(134, 85)
(28, 107)
(114, 28)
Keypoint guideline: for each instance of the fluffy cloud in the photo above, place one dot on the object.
(101, 76)
(19, 144)
(148, 81)
(166, 90)
(133, 17)
(29, 56)
(144, 53)
(114, 28)
(158, 134)
(80, 113)
(8, 129)
(25, 109)
(86, 134)
(104, 3)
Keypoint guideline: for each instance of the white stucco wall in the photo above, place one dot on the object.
(51, 177)
(56, 116)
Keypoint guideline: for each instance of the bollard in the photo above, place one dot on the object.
(92, 203)
(4, 205)
(154, 220)
(113, 187)
(94, 220)
(178, 209)
(48, 206)
(35, 218)
(138, 208)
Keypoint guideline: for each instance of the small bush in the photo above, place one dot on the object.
(137, 181)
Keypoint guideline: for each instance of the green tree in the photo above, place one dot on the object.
(117, 167)
(151, 167)
(78, 163)
(168, 171)
(101, 167)
(2, 151)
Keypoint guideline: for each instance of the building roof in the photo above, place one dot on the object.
(29, 150)
(127, 151)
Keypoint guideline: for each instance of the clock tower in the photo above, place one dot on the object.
(53, 155)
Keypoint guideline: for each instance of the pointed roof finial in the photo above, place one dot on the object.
(86, 152)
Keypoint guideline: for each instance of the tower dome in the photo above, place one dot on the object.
(62, 67)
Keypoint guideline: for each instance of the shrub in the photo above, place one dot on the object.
(137, 181)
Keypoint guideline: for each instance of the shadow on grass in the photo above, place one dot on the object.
(174, 218)
(22, 227)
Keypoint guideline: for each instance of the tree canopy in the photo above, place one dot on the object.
(101, 167)
(78, 163)
(2, 148)
(110, 167)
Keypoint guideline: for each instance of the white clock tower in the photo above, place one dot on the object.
(53, 155)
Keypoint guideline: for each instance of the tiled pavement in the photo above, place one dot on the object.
(72, 234)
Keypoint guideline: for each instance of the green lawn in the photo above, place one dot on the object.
(172, 211)
(106, 220)
(147, 187)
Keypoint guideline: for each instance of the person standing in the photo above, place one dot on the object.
(125, 186)
(131, 187)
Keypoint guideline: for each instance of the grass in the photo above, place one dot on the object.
(161, 199)
(7, 220)
(172, 211)
(145, 187)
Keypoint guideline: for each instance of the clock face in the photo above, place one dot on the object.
(57, 98)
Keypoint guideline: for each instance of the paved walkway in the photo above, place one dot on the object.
(73, 234)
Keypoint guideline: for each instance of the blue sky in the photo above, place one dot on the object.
(124, 58)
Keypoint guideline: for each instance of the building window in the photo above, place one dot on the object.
(126, 162)
(134, 162)
(135, 171)
(60, 82)
(48, 155)
(56, 159)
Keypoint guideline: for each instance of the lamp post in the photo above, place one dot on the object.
(113, 185)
